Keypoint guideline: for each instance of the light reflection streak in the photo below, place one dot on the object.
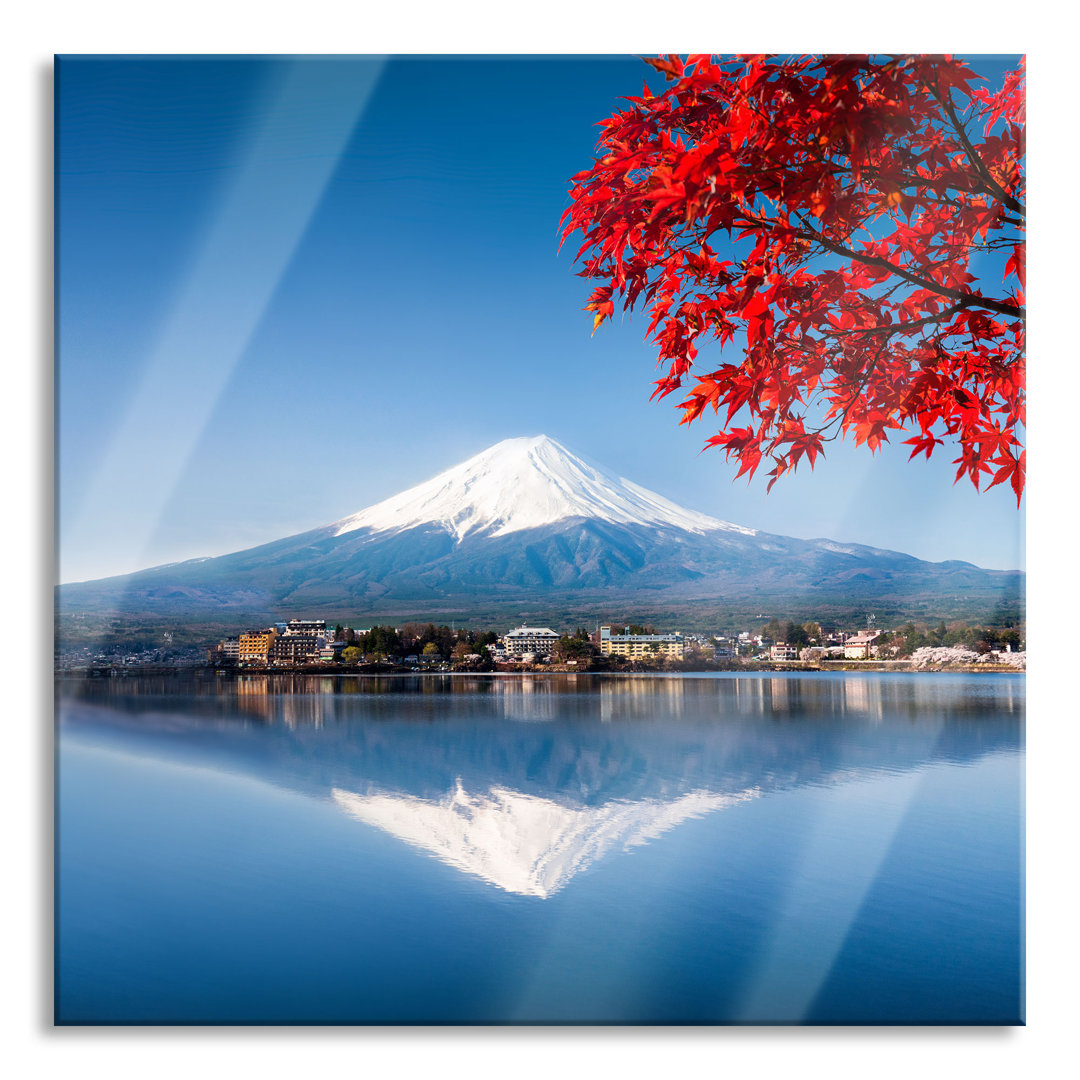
(803, 946)
(259, 225)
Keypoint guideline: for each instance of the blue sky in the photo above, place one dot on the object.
(289, 288)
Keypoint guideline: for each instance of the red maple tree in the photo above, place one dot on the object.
(851, 195)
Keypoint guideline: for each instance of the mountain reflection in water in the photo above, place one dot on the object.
(521, 843)
(526, 782)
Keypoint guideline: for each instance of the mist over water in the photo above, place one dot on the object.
(697, 849)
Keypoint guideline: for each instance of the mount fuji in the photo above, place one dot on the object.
(529, 524)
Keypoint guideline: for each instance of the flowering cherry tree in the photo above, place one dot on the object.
(822, 219)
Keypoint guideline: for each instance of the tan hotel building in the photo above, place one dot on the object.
(641, 646)
(255, 646)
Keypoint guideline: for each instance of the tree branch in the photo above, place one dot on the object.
(895, 328)
(973, 155)
(966, 298)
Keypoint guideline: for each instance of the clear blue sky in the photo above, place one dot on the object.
(289, 288)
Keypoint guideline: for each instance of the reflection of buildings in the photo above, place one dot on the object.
(527, 699)
(854, 696)
(521, 843)
(862, 696)
(253, 686)
(295, 702)
(526, 806)
(779, 694)
(581, 697)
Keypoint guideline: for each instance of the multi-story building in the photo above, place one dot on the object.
(226, 651)
(641, 646)
(254, 646)
(860, 646)
(537, 640)
(783, 652)
(331, 650)
(294, 649)
(306, 627)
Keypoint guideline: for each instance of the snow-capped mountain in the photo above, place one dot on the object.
(525, 524)
(521, 484)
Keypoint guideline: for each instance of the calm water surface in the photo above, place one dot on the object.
(689, 849)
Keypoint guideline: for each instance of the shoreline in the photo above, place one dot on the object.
(207, 673)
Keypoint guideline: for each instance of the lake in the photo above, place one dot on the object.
(697, 849)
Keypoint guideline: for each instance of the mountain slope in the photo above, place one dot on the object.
(522, 522)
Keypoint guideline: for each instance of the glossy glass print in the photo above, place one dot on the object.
(841, 849)
(348, 389)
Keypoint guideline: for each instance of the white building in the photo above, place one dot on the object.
(538, 640)
(784, 652)
(859, 646)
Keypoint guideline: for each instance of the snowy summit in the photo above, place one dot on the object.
(522, 484)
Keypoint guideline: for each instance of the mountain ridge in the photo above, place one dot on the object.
(523, 521)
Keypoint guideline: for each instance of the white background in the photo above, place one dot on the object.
(31, 35)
